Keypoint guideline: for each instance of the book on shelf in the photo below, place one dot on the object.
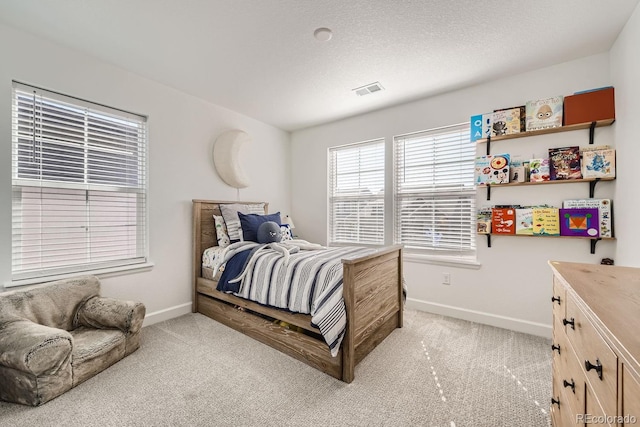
(546, 221)
(524, 221)
(544, 113)
(564, 163)
(508, 121)
(503, 220)
(605, 212)
(517, 169)
(581, 222)
(492, 169)
(592, 90)
(480, 126)
(590, 106)
(539, 170)
(598, 162)
(484, 220)
(481, 171)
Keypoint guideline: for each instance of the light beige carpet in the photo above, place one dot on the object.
(193, 371)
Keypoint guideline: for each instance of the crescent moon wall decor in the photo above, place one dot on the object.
(226, 158)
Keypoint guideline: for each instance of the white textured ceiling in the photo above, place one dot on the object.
(259, 57)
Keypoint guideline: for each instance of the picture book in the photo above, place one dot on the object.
(503, 220)
(508, 121)
(546, 222)
(564, 163)
(539, 170)
(492, 169)
(579, 222)
(517, 169)
(484, 220)
(605, 212)
(544, 113)
(524, 221)
(592, 90)
(480, 126)
(598, 163)
(482, 170)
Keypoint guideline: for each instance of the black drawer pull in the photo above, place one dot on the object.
(571, 384)
(555, 347)
(555, 401)
(571, 322)
(598, 367)
(555, 299)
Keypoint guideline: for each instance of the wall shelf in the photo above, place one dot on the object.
(592, 181)
(592, 184)
(589, 125)
(593, 240)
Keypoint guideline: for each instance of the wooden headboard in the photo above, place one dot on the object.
(204, 230)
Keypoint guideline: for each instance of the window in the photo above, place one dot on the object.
(434, 191)
(356, 193)
(78, 185)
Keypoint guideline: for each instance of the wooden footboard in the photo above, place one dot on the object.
(372, 290)
(373, 298)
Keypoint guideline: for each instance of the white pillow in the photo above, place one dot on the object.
(221, 232)
(286, 232)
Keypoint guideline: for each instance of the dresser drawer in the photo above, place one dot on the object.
(572, 381)
(561, 412)
(630, 398)
(591, 349)
(595, 415)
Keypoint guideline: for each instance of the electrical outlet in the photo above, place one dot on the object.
(446, 279)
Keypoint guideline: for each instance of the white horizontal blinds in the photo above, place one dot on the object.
(356, 193)
(434, 192)
(79, 185)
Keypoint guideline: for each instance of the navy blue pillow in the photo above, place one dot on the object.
(251, 222)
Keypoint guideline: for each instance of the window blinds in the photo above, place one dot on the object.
(356, 193)
(78, 185)
(434, 191)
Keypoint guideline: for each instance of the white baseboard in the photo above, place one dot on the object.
(166, 314)
(510, 323)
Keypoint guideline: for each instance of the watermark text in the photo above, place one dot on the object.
(606, 419)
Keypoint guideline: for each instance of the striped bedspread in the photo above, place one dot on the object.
(310, 283)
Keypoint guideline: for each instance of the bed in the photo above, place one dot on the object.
(371, 288)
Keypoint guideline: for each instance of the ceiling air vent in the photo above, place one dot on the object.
(367, 89)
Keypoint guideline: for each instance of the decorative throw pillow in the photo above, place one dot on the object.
(221, 232)
(232, 221)
(285, 230)
(251, 222)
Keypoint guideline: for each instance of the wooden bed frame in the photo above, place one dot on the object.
(372, 295)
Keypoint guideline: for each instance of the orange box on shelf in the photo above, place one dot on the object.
(589, 106)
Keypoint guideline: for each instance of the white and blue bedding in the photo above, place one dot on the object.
(301, 281)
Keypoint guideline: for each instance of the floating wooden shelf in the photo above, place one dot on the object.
(546, 235)
(594, 240)
(592, 184)
(558, 181)
(599, 123)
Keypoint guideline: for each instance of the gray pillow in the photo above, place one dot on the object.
(232, 221)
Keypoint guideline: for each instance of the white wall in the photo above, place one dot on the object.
(625, 69)
(512, 288)
(181, 132)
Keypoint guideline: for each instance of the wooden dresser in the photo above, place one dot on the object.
(596, 345)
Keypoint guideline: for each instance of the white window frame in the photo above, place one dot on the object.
(452, 238)
(368, 211)
(103, 191)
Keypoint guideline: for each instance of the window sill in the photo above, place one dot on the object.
(441, 260)
(101, 274)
